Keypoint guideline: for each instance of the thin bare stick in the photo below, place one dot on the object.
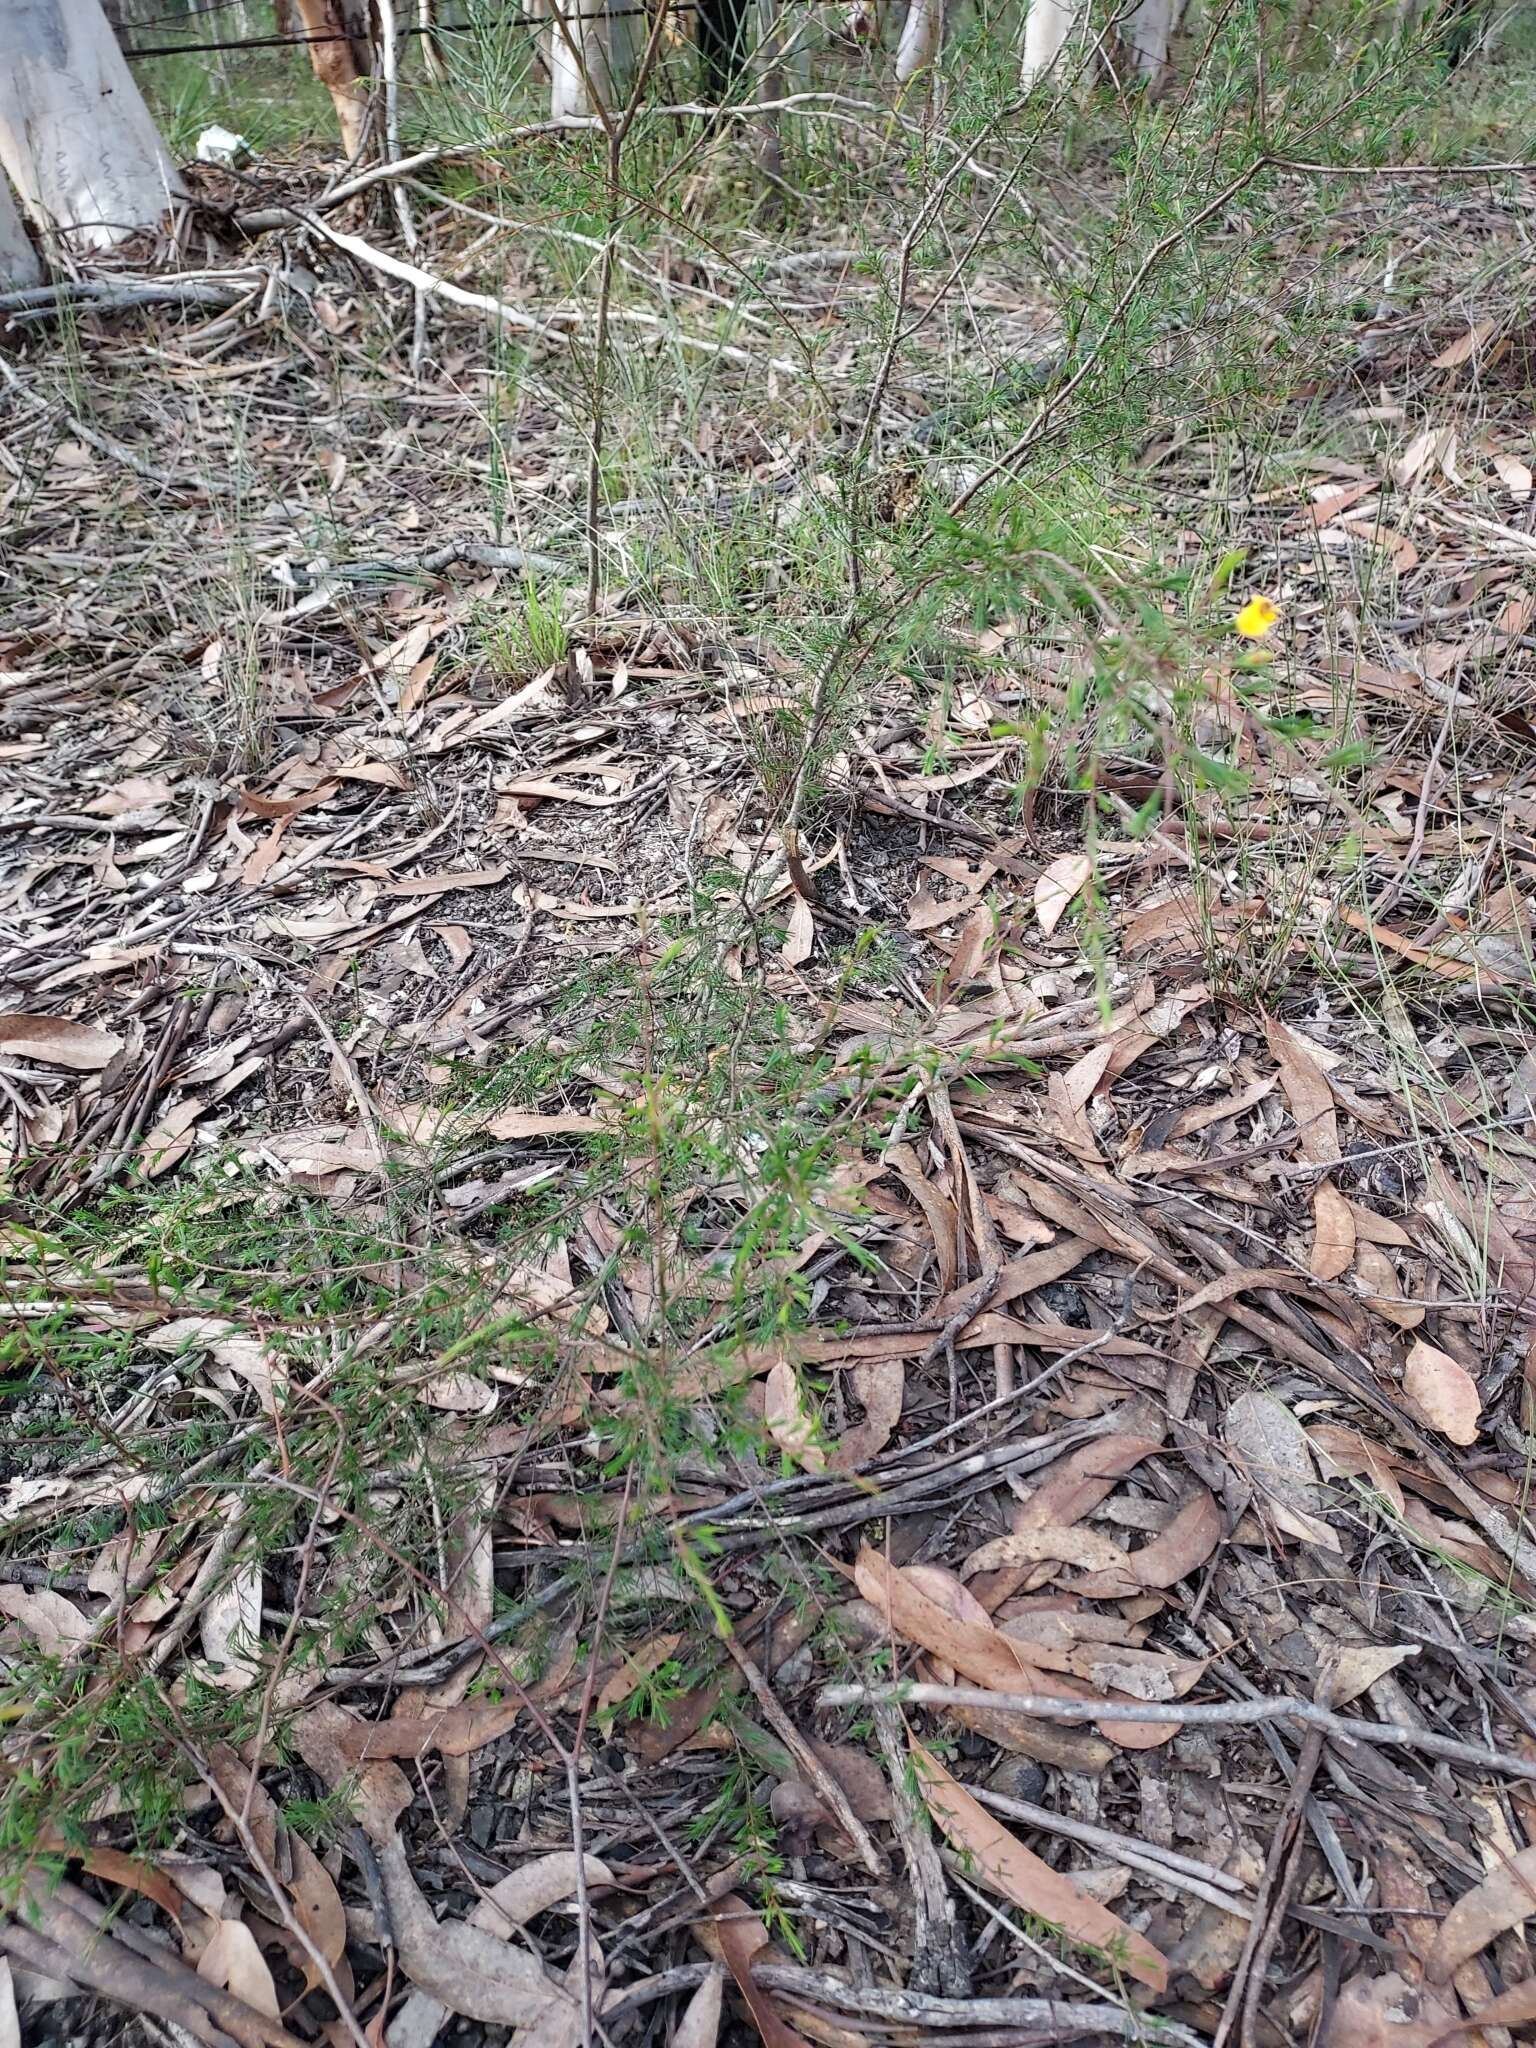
(1166, 1867)
(426, 29)
(354, 1081)
(425, 281)
(939, 1959)
(573, 1767)
(618, 133)
(96, 294)
(922, 220)
(220, 1551)
(816, 1773)
(385, 11)
(1054, 2019)
(1222, 1714)
(556, 328)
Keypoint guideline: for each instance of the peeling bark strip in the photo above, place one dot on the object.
(336, 64)
(76, 138)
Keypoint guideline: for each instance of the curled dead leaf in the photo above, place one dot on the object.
(1172, 1554)
(1503, 1900)
(316, 1901)
(55, 1624)
(1056, 886)
(880, 1384)
(1354, 1456)
(230, 1627)
(983, 1654)
(464, 1967)
(346, 1742)
(1271, 1451)
(234, 1962)
(1349, 1669)
(116, 1867)
(1307, 1093)
(1333, 1238)
(637, 1666)
(1087, 1548)
(1378, 1280)
(789, 1422)
(1442, 1393)
(1075, 1484)
(58, 1041)
(699, 2026)
(737, 1936)
(517, 1898)
(979, 1652)
(801, 936)
(458, 1393)
(527, 1123)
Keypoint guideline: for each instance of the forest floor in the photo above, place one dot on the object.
(624, 1231)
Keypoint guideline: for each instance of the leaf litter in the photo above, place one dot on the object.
(1162, 1336)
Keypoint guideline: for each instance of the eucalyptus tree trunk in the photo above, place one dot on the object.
(75, 135)
(19, 265)
(581, 57)
(922, 38)
(609, 46)
(1147, 33)
(1046, 28)
(340, 59)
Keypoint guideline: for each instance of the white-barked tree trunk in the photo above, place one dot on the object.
(579, 57)
(19, 265)
(1147, 33)
(922, 38)
(1046, 28)
(75, 135)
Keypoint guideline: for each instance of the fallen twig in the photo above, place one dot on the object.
(105, 444)
(555, 328)
(426, 282)
(1216, 1714)
(939, 1958)
(60, 1938)
(1165, 1866)
(821, 1780)
(1046, 2019)
(106, 295)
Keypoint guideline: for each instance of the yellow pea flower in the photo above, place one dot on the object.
(1259, 616)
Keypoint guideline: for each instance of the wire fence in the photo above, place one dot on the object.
(303, 40)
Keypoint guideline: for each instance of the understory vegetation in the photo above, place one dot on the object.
(782, 954)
